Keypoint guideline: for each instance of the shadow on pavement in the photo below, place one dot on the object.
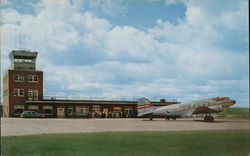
(195, 120)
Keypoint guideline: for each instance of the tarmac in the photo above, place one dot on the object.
(20, 126)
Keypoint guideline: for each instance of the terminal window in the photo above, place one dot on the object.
(48, 110)
(70, 110)
(18, 92)
(33, 108)
(18, 109)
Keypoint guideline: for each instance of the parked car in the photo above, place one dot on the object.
(32, 114)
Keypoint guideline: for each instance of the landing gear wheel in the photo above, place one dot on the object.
(167, 118)
(209, 118)
(151, 118)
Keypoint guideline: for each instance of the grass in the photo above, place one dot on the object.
(226, 143)
(236, 112)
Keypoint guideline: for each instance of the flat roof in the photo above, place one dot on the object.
(23, 54)
(99, 102)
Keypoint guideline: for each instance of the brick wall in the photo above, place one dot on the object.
(10, 85)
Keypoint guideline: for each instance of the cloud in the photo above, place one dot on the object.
(213, 22)
(108, 7)
(82, 53)
(10, 16)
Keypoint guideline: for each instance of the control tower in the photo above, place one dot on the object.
(23, 60)
(21, 83)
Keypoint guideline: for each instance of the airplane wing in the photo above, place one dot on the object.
(204, 110)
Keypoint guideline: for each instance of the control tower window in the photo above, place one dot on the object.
(18, 92)
(33, 78)
(18, 78)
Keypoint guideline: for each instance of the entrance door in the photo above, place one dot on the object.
(118, 112)
(60, 112)
(105, 112)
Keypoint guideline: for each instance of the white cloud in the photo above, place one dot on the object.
(185, 60)
(5, 3)
(10, 15)
(207, 23)
(129, 43)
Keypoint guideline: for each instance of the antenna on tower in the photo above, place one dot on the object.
(15, 38)
(21, 42)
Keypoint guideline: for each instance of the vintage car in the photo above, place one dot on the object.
(32, 114)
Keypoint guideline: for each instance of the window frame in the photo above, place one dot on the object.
(128, 110)
(71, 110)
(33, 108)
(18, 107)
(82, 110)
(117, 109)
(20, 78)
(18, 91)
(33, 78)
(48, 108)
(35, 94)
(96, 109)
(30, 96)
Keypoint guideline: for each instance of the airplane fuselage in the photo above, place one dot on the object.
(207, 106)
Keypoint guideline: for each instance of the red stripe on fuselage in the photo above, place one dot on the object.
(144, 106)
(219, 98)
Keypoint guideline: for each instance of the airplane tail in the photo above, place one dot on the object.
(144, 107)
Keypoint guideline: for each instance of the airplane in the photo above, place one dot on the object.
(206, 106)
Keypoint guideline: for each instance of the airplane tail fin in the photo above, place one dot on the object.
(144, 106)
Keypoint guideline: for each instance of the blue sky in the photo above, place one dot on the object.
(186, 49)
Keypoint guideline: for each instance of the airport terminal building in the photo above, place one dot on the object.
(23, 90)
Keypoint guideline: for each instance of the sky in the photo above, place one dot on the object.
(184, 49)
